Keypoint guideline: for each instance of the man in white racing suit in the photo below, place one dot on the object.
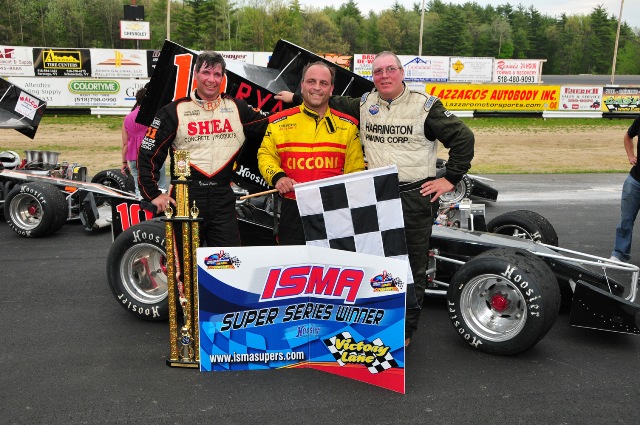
(212, 126)
(400, 126)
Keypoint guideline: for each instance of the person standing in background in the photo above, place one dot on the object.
(630, 202)
(132, 135)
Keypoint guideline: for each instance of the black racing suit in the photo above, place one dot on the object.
(213, 133)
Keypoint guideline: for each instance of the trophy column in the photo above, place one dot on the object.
(184, 345)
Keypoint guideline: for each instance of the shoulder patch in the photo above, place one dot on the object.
(364, 97)
(429, 103)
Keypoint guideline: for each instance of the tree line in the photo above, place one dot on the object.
(571, 44)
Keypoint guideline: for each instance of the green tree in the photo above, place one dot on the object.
(320, 34)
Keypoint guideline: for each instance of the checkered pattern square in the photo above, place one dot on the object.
(359, 212)
(380, 364)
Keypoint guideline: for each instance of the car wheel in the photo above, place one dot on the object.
(136, 271)
(115, 179)
(35, 209)
(460, 191)
(503, 301)
(524, 224)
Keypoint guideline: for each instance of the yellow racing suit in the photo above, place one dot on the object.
(300, 145)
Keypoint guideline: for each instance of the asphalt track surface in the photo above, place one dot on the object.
(71, 355)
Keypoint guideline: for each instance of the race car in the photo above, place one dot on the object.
(504, 280)
(37, 193)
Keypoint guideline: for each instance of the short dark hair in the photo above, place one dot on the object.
(388, 53)
(210, 59)
(332, 70)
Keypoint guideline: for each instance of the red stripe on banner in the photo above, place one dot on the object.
(391, 379)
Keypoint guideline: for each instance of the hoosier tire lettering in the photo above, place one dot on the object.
(140, 310)
(503, 301)
(136, 271)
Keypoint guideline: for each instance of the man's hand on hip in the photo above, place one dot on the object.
(436, 187)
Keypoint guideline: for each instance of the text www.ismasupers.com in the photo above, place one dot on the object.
(256, 357)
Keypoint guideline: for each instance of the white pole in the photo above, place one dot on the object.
(615, 49)
(421, 27)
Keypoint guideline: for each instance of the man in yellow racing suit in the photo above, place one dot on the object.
(306, 143)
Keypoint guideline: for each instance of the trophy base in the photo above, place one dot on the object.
(181, 363)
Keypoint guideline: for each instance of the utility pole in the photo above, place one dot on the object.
(168, 19)
(615, 49)
(421, 28)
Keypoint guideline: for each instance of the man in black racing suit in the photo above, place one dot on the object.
(212, 127)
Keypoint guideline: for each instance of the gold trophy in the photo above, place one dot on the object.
(185, 347)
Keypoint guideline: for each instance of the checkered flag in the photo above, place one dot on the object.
(379, 364)
(358, 212)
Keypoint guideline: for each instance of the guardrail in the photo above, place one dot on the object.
(110, 111)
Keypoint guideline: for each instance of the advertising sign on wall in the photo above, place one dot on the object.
(580, 98)
(425, 68)
(50, 62)
(494, 97)
(120, 63)
(362, 65)
(621, 99)
(71, 92)
(16, 61)
(475, 70)
(517, 71)
(416, 68)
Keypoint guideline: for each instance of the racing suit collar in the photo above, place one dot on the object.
(207, 105)
(327, 119)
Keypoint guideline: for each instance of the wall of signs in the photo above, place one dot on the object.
(110, 77)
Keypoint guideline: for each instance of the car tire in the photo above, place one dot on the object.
(115, 179)
(136, 271)
(503, 301)
(35, 209)
(524, 224)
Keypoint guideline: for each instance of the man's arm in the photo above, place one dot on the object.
(254, 121)
(345, 104)
(629, 148)
(443, 125)
(628, 141)
(152, 155)
(458, 138)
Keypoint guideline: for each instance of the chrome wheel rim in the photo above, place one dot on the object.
(493, 307)
(26, 211)
(144, 274)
